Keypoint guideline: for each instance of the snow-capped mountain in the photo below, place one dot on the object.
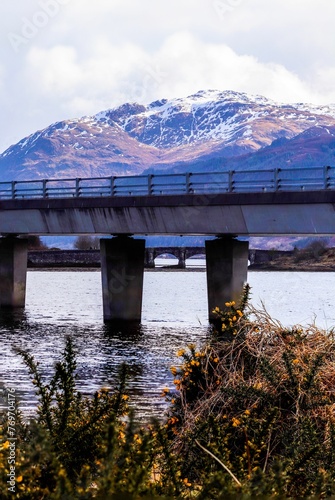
(210, 130)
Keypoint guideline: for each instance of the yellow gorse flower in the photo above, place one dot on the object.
(177, 384)
(5, 445)
(236, 422)
(173, 420)
(138, 439)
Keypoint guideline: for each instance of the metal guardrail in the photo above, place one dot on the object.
(238, 181)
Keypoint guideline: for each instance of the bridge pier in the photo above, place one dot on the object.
(227, 267)
(122, 269)
(149, 258)
(13, 272)
(182, 258)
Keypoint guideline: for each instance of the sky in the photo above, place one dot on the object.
(63, 59)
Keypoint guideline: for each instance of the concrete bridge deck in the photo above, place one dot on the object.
(252, 214)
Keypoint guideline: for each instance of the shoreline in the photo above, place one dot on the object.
(97, 269)
(187, 269)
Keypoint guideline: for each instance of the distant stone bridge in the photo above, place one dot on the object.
(181, 253)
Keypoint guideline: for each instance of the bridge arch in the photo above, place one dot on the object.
(168, 255)
(194, 252)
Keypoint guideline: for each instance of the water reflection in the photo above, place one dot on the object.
(12, 318)
(130, 330)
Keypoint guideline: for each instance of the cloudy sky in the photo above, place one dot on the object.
(68, 58)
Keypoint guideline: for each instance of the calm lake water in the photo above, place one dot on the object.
(174, 315)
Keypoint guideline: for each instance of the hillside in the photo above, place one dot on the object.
(210, 130)
(314, 257)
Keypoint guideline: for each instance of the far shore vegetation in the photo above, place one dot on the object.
(251, 415)
(315, 256)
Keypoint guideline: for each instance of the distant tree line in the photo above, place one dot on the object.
(87, 243)
(35, 243)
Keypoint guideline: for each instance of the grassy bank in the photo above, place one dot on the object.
(315, 257)
(252, 415)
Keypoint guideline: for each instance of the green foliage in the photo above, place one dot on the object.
(83, 448)
(252, 415)
(71, 421)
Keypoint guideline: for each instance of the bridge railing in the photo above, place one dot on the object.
(238, 181)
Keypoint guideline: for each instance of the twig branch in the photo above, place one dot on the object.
(267, 453)
(219, 461)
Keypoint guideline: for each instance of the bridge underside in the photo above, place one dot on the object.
(122, 268)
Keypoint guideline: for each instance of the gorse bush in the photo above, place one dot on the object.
(85, 447)
(71, 421)
(252, 415)
(65, 441)
(260, 398)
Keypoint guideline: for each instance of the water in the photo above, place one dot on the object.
(174, 315)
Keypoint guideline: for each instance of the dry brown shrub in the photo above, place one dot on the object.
(264, 358)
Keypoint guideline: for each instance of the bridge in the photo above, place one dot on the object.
(180, 253)
(223, 204)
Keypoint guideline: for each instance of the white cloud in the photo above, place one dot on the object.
(54, 71)
(182, 65)
(89, 56)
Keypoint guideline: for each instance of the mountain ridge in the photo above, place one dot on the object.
(210, 130)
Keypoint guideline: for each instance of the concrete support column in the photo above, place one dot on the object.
(149, 258)
(227, 267)
(182, 258)
(13, 272)
(122, 268)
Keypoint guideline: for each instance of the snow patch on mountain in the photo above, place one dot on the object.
(210, 115)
